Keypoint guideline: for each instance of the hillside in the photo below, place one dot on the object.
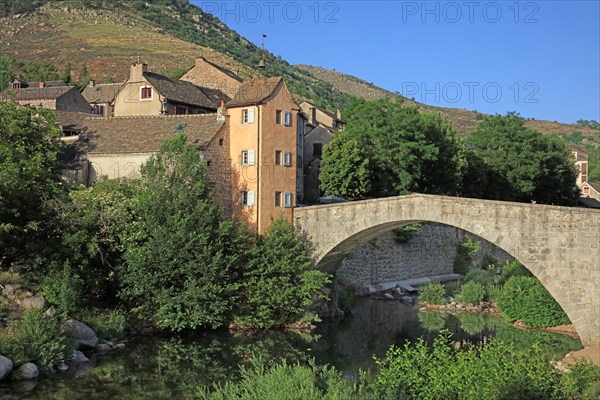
(103, 37)
(464, 120)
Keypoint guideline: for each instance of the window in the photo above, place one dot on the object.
(584, 168)
(287, 118)
(180, 110)
(287, 199)
(278, 157)
(248, 116)
(248, 157)
(247, 198)
(16, 85)
(317, 149)
(98, 109)
(278, 117)
(208, 163)
(586, 190)
(221, 142)
(287, 159)
(146, 93)
(277, 199)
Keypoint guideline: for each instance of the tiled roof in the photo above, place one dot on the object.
(144, 134)
(582, 153)
(185, 92)
(589, 202)
(36, 93)
(102, 93)
(71, 120)
(595, 186)
(254, 91)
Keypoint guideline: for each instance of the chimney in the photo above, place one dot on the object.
(313, 116)
(41, 85)
(92, 83)
(136, 72)
(221, 114)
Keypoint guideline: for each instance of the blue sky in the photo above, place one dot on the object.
(539, 58)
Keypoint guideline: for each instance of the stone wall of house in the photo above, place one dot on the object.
(219, 167)
(206, 75)
(430, 253)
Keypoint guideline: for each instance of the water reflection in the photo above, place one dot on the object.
(172, 368)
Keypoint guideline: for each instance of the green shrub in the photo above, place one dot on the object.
(283, 381)
(524, 298)
(464, 255)
(472, 292)
(35, 338)
(582, 381)
(433, 293)
(10, 277)
(63, 286)
(512, 268)
(493, 372)
(480, 276)
(492, 291)
(108, 324)
(406, 233)
(489, 261)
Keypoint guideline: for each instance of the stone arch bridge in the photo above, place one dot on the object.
(559, 245)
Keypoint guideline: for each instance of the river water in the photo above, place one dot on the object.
(173, 367)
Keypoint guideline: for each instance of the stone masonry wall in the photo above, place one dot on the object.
(431, 253)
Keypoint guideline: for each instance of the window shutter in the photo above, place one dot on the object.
(251, 115)
(251, 157)
(287, 199)
(250, 198)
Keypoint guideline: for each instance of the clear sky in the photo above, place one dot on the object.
(539, 58)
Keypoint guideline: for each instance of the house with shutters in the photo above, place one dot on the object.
(53, 95)
(266, 135)
(148, 93)
(580, 157)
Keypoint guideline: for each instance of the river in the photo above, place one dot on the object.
(173, 367)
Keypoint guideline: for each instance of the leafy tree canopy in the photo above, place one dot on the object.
(519, 164)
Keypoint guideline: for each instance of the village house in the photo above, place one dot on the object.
(148, 93)
(320, 128)
(53, 95)
(580, 155)
(210, 75)
(101, 97)
(590, 190)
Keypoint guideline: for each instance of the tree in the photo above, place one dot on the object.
(345, 169)
(531, 166)
(182, 261)
(29, 179)
(279, 282)
(7, 65)
(407, 150)
(39, 71)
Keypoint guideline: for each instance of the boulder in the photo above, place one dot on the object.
(37, 301)
(82, 334)
(388, 296)
(79, 357)
(103, 348)
(27, 371)
(407, 299)
(62, 367)
(120, 346)
(10, 289)
(50, 312)
(6, 367)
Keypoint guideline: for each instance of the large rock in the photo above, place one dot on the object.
(6, 367)
(83, 335)
(10, 289)
(37, 301)
(27, 371)
(79, 357)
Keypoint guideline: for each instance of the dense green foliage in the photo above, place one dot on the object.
(406, 233)
(39, 71)
(463, 261)
(517, 164)
(35, 338)
(29, 179)
(524, 298)
(278, 282)
(283, 381)
(7, 65)
(472, 292)
(407, 151)
(433, 293)
(182, 261)
(107, 324)
(591, 124)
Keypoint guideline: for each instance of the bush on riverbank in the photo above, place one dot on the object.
(433, 293)
(525, 298)
(472, 292)
(107, 324)
(35, 338)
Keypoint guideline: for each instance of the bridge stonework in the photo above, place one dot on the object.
(559, 245)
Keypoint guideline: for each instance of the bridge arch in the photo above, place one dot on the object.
(559, 245)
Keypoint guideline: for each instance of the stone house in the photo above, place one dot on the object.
(209, 75)
(148, 93)
(580, 155)
(320, 127)
(101, 97)
(266, 135)
(53, 95)
(590, 190)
